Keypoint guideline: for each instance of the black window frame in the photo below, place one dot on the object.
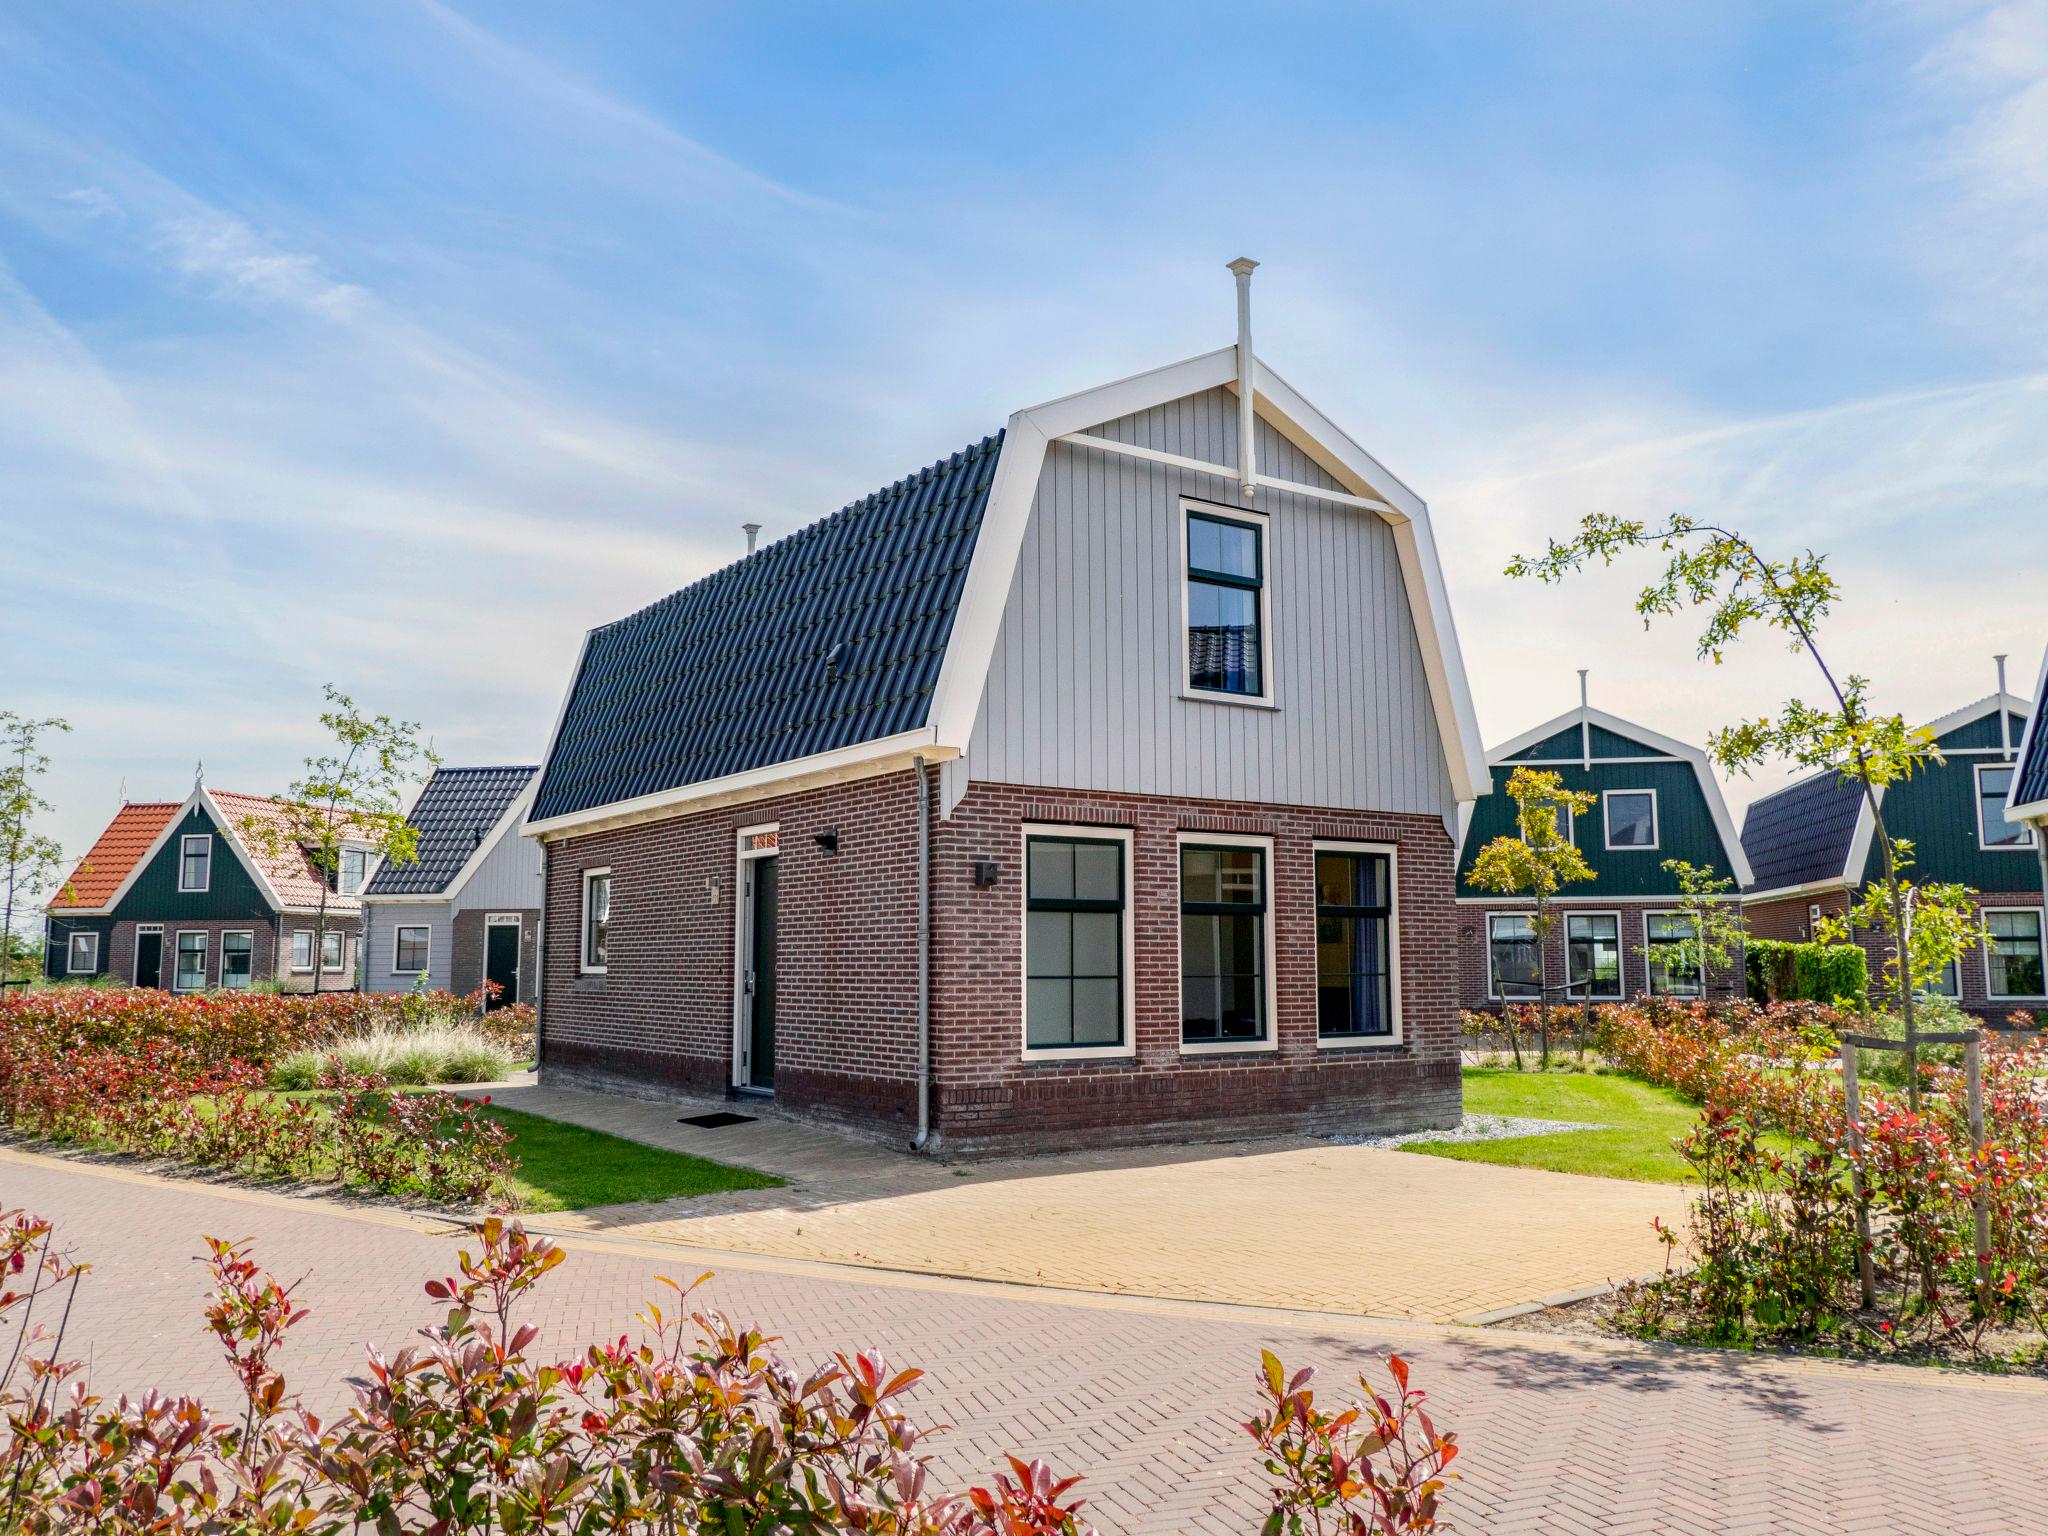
(1072, 904)
(1652, 958)
(1496, 991)
(1261, 912)
(398, 947)
(1356, 912)
(1255, 584)
(178, 953)
(1993, 953)
(1570, 944)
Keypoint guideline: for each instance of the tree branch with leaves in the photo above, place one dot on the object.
(29, 861)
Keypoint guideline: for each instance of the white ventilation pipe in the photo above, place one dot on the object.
(1247, 455)
(753, 532)
(2004, 720)
(1585, 726)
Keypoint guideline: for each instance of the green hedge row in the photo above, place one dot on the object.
(1818, 973)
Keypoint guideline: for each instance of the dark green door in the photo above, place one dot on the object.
(501, 962)
(761, 977)
(149, 959)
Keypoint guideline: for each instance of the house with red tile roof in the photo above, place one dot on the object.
(190, 896)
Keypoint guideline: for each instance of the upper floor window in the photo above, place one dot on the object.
(1223, 945)
(354, 872)
(1074, 942)
(1354, 944)
(195, 861)
(1994, 782)
(1226, 605)
(1631, 818)
(597, 917)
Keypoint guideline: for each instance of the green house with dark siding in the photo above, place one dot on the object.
(1620, 935)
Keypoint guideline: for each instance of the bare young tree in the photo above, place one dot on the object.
(29, 861)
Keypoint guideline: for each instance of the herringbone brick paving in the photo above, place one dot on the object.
(1561, 1435)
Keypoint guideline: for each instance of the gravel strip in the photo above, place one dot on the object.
(1471, 1128)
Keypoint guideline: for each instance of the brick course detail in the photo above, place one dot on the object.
(661, 1019)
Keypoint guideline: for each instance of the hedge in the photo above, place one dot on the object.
(1779, 972)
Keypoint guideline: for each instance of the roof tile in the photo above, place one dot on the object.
(454, 814)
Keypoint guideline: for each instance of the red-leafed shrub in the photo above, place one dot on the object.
(699, 1427)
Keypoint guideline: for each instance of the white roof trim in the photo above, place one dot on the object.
(511, 816)
(2036, 809)
(1710, 787)
(1988, 705)
(1806, 888)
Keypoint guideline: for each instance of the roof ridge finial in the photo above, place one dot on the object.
(198, 776)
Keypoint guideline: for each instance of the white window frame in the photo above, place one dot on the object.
(583, 965)
(205, 958)
(1813, 917)
(185, 841)
(1129, 1046)
(236, 933)
(2041, 932)
(71, 965)
(1393, 853)
(1649, 990)
(340, 966)
(1493, 992)
(1656, 842)
(2027, 835)
(1271, 1042)
(424, 965)
(370, 862)
(742, 940)
(1620, 950)
(307, 968)
(1263, 522)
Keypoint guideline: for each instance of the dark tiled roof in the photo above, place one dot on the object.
(825, 639)
(455, 813)
(2033, 774)
(1801, 833)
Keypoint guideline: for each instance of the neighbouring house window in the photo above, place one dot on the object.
(330, 950)
(1513, 957)
(1670, 941)
(1947, 984)
(195, 861)
(1567, 824)
(302, 949)
(597, 914)
(2014, 956)
(1354, 945)
(1073, 942)
(1631, 818)
(237, 960)
(1593, 947)
(82, 957)
(1813, 920)
(1222, 944)
(1226, 588)
(354, 872)
(1994, 782)
(409, 947)
(190, 975)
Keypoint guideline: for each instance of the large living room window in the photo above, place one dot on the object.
(1224, 936)
(1355, 944)
(1075, 927)
(1226, 566)
(1513, 958)
(1671, 954)
(1593, 947)
(2012, 960)
(190, 976)
(237, 961)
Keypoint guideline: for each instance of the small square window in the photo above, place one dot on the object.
(409, 949)
(1631, 818)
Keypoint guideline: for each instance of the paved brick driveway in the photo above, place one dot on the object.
(1284, 1223)
(1561, 1435)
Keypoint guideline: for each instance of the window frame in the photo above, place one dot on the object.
(1656, 842)
(205, 938)
(237, 933)
(296, 968)
(340, 966)
(1620, 954)
(1493, 991)
(583, 965)
(398, 932)
(1393, 853)
(1262, 524)
(1127, 1048)
(2027, 837)
(2040, 917)
(71, 965)
(185, 841)
(1649, 971)
(1270, 1041)
(369, 855)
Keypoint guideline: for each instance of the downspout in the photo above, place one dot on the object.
(924, 958)
(1247, 455)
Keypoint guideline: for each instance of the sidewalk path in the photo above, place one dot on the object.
(1561, 1436)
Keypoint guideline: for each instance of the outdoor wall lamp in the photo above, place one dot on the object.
(987, 872)
(827, 839)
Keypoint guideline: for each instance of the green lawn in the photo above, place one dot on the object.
(566, 1167)
(1642, 1121)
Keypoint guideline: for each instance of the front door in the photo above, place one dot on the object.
(761, 974)
(149, 959)
(501, 959)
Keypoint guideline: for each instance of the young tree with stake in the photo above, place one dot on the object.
(1718, 927)
(29, 861)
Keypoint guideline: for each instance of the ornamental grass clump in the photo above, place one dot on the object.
(445, 1053)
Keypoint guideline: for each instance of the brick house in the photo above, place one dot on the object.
(1812, 849)
(1096, 783)
(1621, 935)
(467, 909)
(178, 895)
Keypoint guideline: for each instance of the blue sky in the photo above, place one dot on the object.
(396, 344)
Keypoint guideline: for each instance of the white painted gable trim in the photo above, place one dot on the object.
(2035, 809)
(199, 798)
(1970, 713)
(511, 816)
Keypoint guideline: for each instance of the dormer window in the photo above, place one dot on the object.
(354, 872)
(1226, 605)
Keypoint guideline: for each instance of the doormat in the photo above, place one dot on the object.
(717, 1119)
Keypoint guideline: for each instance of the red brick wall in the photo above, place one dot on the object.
(1472, 974)
(1788, 920)
(266, 958)
(661, 1018)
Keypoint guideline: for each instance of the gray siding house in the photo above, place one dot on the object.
(468, 911)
